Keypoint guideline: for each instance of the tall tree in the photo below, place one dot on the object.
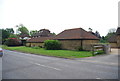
(10, 30)
(5, 34)
(22, 29)
(97, 34)
(112, 30)
(90, 29)
(33, 32)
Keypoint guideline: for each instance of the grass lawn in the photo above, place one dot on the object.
(56, 53)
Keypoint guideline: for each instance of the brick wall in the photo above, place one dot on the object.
(70, 44)
(35, 44)
(87, 44)
(74, 44)
(113, 45)
(118, 41)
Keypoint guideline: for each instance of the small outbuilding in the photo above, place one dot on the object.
(38, 38)
(114, 40)
(38, 41)
(77, 38)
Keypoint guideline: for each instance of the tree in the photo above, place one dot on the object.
(103, 39)
(12, 42)
(112, 30)
(90, 29)
(10, 30)
(33, 32)
(97, 34)
(5, 34)
(22, 29)
(13, 36)
(53, 33)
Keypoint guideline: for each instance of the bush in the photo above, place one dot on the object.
(79, 48)
(52, 45)
(12, 42)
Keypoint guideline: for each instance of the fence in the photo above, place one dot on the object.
(100, 47)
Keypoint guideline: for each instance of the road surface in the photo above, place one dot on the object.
(18, 65)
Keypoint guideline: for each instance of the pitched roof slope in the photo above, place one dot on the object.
(118, 31)
(39, 39)
(113, 38)
(77, 33)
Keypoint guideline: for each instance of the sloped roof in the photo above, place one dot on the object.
(76, 33)
(23, 35)
(112, 39)
(39, 39)
(118, 31)
(42, 32)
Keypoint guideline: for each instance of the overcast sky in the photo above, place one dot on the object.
(58, 15)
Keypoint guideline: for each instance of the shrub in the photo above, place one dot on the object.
(12, 42)
(79, 48)
(52, 45)
(13, 36)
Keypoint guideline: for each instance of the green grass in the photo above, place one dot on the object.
(56, 53)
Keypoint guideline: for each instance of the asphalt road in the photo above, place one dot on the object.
(18, 65)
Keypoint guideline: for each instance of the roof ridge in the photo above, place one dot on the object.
(73, 29)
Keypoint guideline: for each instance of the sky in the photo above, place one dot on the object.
(58, 15)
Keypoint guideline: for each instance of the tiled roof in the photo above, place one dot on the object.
(112, 39)
(42, 33)
(77, 33)
(118, 31)
(39, 39)
(24, 35)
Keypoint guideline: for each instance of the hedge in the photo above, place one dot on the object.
(52, 45)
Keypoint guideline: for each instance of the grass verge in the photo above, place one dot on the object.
(56, 53)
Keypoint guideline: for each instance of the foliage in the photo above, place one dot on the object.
(90, 29)
(79, 48)
(112, 30)
(99, 52)
(12, 42)
(52, 44)
(56, 53)
(53, 33)
(104, 39)
(22, 29)
(97, 34)
(10, 30)
(33, 32)
(5, 33)
(13, 36)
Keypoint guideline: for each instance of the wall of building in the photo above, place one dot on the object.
(70, 44)
(34, 44)
(87, 44)
(75, 44)
(113, 45)
(118, 41)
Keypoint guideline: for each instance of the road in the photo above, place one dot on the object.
(18, 65)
